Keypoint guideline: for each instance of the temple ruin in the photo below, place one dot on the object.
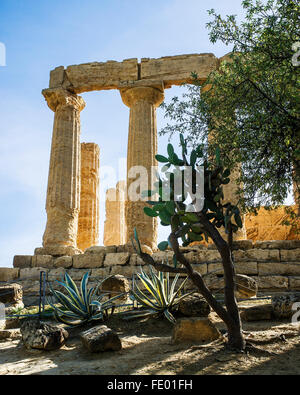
(73, 184)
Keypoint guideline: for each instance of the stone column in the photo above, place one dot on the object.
(142, 148)
(88, 221)
(63, 193)
(114, 226)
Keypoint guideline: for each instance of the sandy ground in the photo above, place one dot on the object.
(147, 349)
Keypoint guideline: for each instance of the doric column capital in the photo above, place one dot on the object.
(131, 96)
(58, 98)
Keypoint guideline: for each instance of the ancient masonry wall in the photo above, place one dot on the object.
(274, 264)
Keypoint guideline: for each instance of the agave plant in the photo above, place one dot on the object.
(162, 295)
(80, 305)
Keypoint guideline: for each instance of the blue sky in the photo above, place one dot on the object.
(41, 35)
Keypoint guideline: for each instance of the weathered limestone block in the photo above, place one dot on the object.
(101, 250)
(11, 293)
(283, 268)
(116, 285)
(272, 283)
(209, 256)
(57, 77)
(64, 262)
(42, 336)
(88, 261)
(242, 244)
(257, 255)
(32, 273)
(22, 261)
(277, 244)
(88, 220)
(257, 313)
(163, 256)
(63, 192)
(246, 268)
(142, 148)
(30, 287)
(121, 258)
(77, 274)
(135, 260)
(12, 334)
(8, 274)
(56, 274)
(194, 306)
(216, 268)
(101, 75)
(175, 70)
(115, 226)
(294, 283)
(101, 338)
(126, 271)
(246, 286)
(194, 329)
(46, 261)
(267, 225)
(290, 255)
(100, 273)
(200, 268)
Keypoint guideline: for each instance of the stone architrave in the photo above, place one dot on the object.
(63, 192)
(114, 226)
(88, 221)
(142, 148)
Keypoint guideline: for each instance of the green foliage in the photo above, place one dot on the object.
(160, 297)
(175, 212)
(82, 305)
(253, 106)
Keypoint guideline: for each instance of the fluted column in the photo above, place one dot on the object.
(88, 221)
(114, 226)
(63, 193)
(142, 148)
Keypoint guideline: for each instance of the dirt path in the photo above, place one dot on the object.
(147, 349)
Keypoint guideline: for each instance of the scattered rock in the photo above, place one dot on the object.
(42, 336)
(194, 306)
(10, 334)
(101, 338)
(10, 293)
(282, 305)
(246, 286)
(195, 330)
(257, 313)
(115, 285)
(12, 322)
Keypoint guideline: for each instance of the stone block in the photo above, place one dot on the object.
(175, 70)
(11, 293)
(64, 262)
(194, 306)
(22, 261)
(77, 274)
(45, 261)
(101, 273)
(249, 268)
(126, 271)
(56, 274)
(120, 259)
(135, 260)
(101, 338)
(294, 283)
(290, 255)
(57, 77)
(101, 75)
(256, 254)
(200, 268)
(257, 313)
(88, 261)
(277, 244)
(31, 273)
(272, 283)
(216, 268)
(194, 329)
(8, 274)
(100, 249)
(283, 268)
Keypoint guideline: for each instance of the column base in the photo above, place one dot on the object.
(58, 251)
